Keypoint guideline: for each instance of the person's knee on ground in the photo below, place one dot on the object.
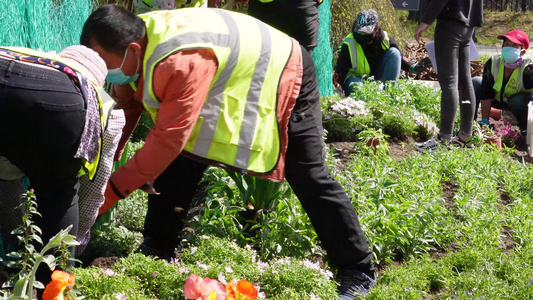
(349, 84)
(518, 105)
(390, 67)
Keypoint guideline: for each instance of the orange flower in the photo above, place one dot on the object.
(241, 290)
(61, 284)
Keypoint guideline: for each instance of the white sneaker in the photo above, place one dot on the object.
(429, 145)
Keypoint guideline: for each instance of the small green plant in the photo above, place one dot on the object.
(371, 133)
(28, 260)
(372, 140)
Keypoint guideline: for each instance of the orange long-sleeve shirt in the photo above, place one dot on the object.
(181, 83)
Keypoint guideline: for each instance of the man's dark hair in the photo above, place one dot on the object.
(113, 27)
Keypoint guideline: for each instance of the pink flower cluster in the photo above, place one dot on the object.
(509, 136)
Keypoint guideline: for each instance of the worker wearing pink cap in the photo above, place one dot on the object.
(507, 81)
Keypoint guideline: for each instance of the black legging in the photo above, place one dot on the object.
(42, 115)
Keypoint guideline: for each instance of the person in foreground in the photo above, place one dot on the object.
(228, 90)
(56, 122)
(508, 79)
(370, 51)
(456, 20)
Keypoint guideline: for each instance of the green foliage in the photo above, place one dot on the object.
(114, 240)
(283, 229)
(401, 109)
(29, 259)
(141, 277)
(257, 193)
(143, 128)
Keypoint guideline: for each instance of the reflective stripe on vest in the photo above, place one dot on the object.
(515, 84)
(105, 105)
(237, 125)
(105, 102)
(358, 59)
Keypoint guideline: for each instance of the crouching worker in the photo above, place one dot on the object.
(57, 123)
(371, 51)
(507, 79)
(228, 90)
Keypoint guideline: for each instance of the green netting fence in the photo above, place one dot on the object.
(49, 25)
(43, 24)
(323, 53)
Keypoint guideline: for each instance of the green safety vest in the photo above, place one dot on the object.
(515, 84)
(358, 59)
(238, 124)
(105, 103)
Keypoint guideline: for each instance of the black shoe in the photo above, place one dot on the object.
(354, 283)
(149, 248)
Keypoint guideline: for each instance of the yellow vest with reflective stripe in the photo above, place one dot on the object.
(515, 84)
(105, 102)
(358, 59)
(238, 124)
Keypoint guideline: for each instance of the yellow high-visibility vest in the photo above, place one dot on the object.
(515, 84)
(238, 124)
(358, 59)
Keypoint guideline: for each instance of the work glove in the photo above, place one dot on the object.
(421, 65)
(483, 122)
(111, 198)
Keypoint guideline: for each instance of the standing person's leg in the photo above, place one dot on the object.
(447, 40)
(389, 68)
(42, 115)
(518, 105)
(476, 85)
(166, 211)
(326, 203)
(466, 91)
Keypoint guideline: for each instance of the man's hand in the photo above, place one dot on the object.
(419, 30)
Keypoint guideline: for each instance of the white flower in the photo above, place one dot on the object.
(120, 297)
(203, 266)
(262, 265)
(228, 269)
(313, 297)
(222, 279)
(311, 265)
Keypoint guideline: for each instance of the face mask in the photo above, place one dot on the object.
(117, 76)
(510, 54)
(363, 39)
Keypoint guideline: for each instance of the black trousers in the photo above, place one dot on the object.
(42, 115)
(297, 18)
(326, 203)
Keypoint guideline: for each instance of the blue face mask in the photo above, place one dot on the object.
(510, 54)
(117, 76)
